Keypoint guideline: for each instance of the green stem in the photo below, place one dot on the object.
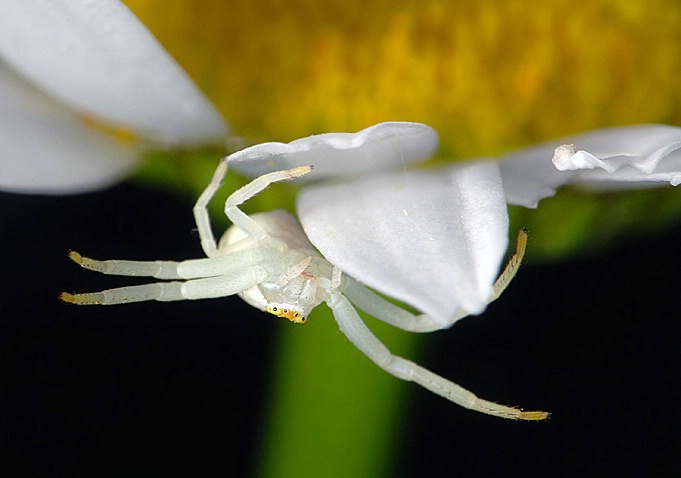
(333, 412)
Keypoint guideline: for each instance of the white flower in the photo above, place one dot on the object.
(436, 238)
(65, 63)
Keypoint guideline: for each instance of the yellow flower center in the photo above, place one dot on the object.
(488, 76)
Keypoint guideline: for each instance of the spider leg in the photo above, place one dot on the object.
(191, 269)
(336, 278)
(359, 334)
(511, 268)
(205, 288)
(241, 219)
(238, 218)
(331, 285)
(294, 271)
(200, 210)
(376, 306)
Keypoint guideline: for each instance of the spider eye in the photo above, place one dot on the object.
(303, 319)
(285, 311)
(274, 309)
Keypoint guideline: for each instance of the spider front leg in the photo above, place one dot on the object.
(200, 210)
(218, 276)
(240, 196)
(359, 334)
(205, 288)
(190, 269)
(238, 217)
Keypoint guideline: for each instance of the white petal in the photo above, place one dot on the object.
(529, 175)
(603, 159)
(44, 148)
(99, 58)
(380, 146)
(644, 153)
(434, 239)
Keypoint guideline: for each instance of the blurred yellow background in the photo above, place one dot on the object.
(487, 75)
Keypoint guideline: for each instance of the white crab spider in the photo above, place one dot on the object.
(268, 261)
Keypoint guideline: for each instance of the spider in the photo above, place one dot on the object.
(267, 260)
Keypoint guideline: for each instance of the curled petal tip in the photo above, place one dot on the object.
(562, 156)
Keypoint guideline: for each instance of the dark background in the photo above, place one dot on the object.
(179, 390)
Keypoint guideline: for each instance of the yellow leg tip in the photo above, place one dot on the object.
(533, 416)
(521, 243)
(299, 171)
(76, 257)
(66, 297)
(79, 299)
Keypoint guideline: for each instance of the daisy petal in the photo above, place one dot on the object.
(434, 239)
(613, 158)
(620, 156)
(100, 59)
(44, 148)
(380, 146)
